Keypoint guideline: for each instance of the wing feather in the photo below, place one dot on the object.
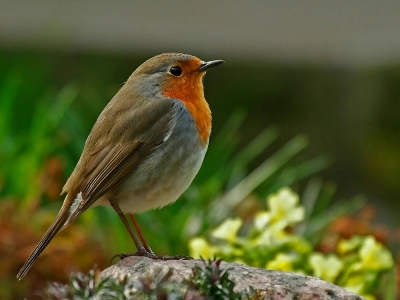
(120, 159)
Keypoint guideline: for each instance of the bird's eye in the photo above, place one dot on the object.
(176, 71)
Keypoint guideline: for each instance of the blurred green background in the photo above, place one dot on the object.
(309, 88)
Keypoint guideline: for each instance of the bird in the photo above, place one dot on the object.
(144, 150)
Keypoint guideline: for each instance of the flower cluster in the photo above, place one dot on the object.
(270, 242)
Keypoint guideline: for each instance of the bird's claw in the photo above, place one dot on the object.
(151, 255)
(175, 257)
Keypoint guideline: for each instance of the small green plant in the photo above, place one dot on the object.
(206, 282)
(269, 241)
(89, 286)
(212, 281)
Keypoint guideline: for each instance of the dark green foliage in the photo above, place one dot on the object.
(213, 282)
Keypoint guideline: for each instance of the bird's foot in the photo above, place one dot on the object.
(121, 256)
(175, 257)
(151, 255)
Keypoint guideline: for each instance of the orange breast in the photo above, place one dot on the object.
(189, 90)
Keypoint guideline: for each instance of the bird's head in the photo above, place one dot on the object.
(175, 75)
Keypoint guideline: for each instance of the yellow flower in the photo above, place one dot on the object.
(228, 230)
(299, 244)
(374, 256)
(345, 246)
(282, 262)
(284, 208)
(356, 285)
(325, 267)
(261, 220)
(199, 247)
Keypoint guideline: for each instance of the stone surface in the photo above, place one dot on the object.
(275, 284)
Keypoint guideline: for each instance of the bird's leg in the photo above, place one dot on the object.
(141, 250)
(147, 247)
(142, 246)
(141, 235)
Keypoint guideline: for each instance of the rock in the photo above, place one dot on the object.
(273, 284)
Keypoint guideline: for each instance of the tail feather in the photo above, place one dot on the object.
(54, 228)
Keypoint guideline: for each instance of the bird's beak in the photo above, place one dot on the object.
(209, 64)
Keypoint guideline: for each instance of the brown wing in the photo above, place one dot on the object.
(111, 164)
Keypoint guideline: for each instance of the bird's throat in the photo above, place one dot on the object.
(192, 96)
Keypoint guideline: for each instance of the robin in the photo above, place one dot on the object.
(145, 148)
